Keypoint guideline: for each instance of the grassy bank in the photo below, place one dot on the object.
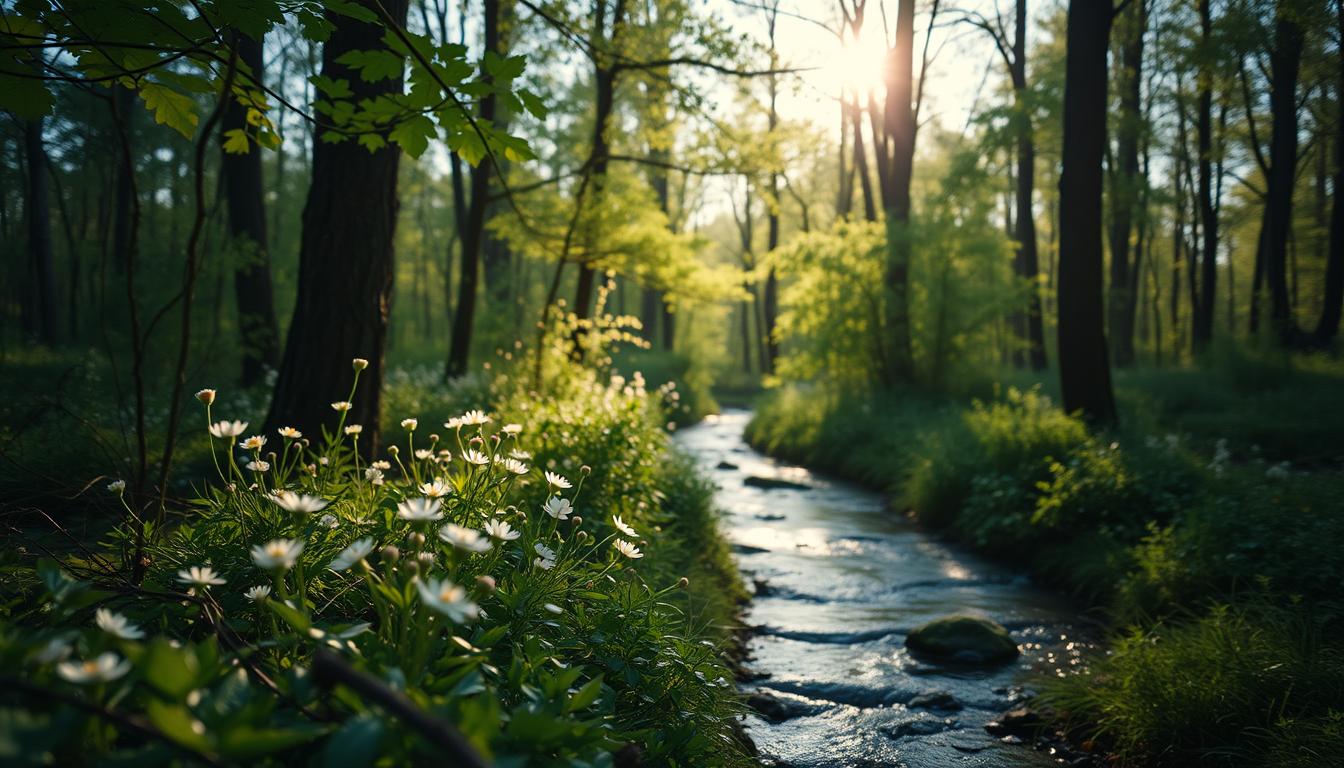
(1213, 541)
(567, 636)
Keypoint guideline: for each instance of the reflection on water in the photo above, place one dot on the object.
(840, 581)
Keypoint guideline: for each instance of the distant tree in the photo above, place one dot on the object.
(1126, 183)
(42, 267)
(1327, 327)
(1084, 365)
(243, 191)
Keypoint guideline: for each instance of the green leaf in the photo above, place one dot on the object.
(170, 108)
(372, 141)
(357, 743)
(585, 696)
(235, 142)
(246, 742)
(291, 616)
(532, 103)
(413, 134)
(335, 89)
(177, 723)
(374, 65)
(171, 671)
(26, 97)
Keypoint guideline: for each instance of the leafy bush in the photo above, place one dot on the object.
(1248, 685)
(522, 599)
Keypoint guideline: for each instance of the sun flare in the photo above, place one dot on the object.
(856, 66)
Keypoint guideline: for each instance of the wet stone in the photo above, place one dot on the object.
(774, 483)
(939, 700)
(963, 639)
(920, 727)
(725, 465)
(1016, 722)
(780, 707)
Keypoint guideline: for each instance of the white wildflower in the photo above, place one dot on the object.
(258, 594)
(253, 443)
(558, 508)
(465, 539)
(500, 529)
(420, 509)
(473, 456)
(298, 502)
(352, 554)
(228, 429)
(290, 432)
(277, 554)
(354, 429)
(117, 625)
(341, 406)
(436, 489)
(557, 481)
(447, 598)
(103, 669)
(259, 465)
(622, 527)
(410, 424)
(117, 486)
(199, 576)
(627, 549)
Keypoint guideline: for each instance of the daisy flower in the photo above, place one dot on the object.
(511, 429)
(465, 539)
(199, 576)
(627, 549)
(258, 594)
(206, 396)
(359, 363)
(558, 508)
(374, 475)
(557, 481)
(473, 456)
(447, 598)
(515, 466)
(544, 551)
(354, 429)
(298, 502)
(117, 486)
(341, 406)
(277, 554)
(290, 432)
(622, 527)
(117, 625)
(410, 424)
(500, 529)
(104, 668)
(420, 509)
(259, 466)
(228, 429)
(352, 554)
(436, 489)
(253, 443)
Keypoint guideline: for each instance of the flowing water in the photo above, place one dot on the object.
(839, 582)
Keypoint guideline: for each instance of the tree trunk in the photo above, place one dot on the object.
(1084, 365)
(896, 153)
(122, 205)
(1028, 324)
(472, 231)
(604, 78)
(770, 304)
(1125, 184)
(260, 342)
(39, 235)
(346, 264)
(1327, 327)
(1285, 60)
(861, 163)
(1208, 211)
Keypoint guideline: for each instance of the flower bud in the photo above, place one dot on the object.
(416, 539)
(576, 521)
(359, 363)
(393, 450)
(206, 396)
(585, 470)
(412, 567)
(391, 554)
(683, 583)
(433, 438)
(486, 584)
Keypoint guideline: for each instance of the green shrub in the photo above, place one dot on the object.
(455, 572)
(1240, 685)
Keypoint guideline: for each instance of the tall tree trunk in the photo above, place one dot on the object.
(346, 263)
(1027, 323)
(1285, 61)
(604, 78)
(260, 342)
(42, 264)
(1208, 210)
(124, 99)
(861, 163)
(1084, 365)
(770, 304)
(896, 152)
(1327, 327)
(1125, 184)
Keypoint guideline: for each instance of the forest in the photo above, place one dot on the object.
(617, 383)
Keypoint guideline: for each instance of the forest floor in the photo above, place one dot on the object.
(1206, 533)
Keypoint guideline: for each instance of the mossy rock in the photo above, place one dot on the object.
(963, 639)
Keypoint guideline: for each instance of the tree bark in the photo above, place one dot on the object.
(1027, 324)
(472, 231)
(242, 177)
(1285, 61)
(346, 264)
(1208, 208)
(896, 152)
(39, 235)
(1084, 366)
(1125, 185)
(1327, 327)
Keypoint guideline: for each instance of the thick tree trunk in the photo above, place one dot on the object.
(1327, 327)
(1027, 323)
(1285, 60)
(1084, 365)
(42, 264)
(1125, 186)
(1208, 210)
(472, 231)
(346, 264)
(260, 342)
(896, 154)
(770, 304)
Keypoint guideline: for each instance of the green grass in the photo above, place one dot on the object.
(1183, 525)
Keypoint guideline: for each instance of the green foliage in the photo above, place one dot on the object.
(1256, 684)
(557, 647)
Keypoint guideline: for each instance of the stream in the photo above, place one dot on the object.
(839, 582)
